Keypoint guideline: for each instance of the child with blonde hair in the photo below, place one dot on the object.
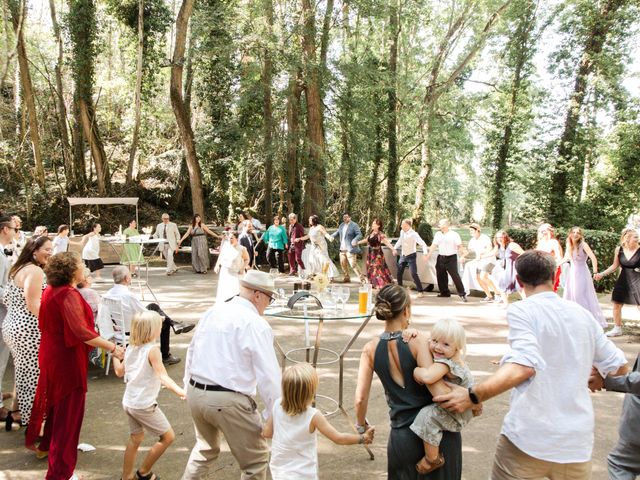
(446, 345)
(143, 373)
(294, 423)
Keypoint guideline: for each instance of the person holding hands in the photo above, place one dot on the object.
(407, 243)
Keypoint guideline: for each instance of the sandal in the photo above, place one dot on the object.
(148, 476)
(423, 466)
(9, 421)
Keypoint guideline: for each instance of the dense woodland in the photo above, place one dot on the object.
(507, 112)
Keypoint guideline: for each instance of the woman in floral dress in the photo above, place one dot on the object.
(378, 272)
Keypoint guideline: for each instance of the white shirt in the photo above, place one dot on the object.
(60, 244)
(143, 384)
(233, 347)
(408, 240)
(447, 243)
(130, 303)
(91, 250)
(481, 245)
(551, 416)
(294, 451)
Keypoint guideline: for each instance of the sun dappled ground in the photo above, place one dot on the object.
(186, 296)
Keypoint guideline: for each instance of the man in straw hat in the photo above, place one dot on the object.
(231, 354)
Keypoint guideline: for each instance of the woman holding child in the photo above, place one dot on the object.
(394, 362)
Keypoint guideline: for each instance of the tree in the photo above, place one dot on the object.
(138, 102)
(180, 110)
(266, 79)
(392, 114)
(600, 23)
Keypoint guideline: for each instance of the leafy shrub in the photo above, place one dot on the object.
(602, 243)
(426, 232)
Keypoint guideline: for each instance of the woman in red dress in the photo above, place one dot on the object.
(66, 325)
(378, 272)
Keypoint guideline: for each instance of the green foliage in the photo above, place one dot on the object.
(81, 26)
(426, 232)
(602, 243)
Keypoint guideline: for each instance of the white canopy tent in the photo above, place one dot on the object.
(73, 201)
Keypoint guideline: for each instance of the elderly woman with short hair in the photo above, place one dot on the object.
(68, 335)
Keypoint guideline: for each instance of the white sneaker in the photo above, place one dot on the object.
(419, 295)
(614, 332)
(74, 477)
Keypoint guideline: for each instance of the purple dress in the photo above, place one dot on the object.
(579, 285)
(507, 259)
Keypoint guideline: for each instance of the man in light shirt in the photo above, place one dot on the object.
(231, 356)
(349, 234)
(408, 241)
(131, 305)
(168, 231)
(548, 431)
(448, 244)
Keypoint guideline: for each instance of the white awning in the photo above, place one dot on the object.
(102, 200)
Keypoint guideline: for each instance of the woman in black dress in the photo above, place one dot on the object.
(627, 287)
(404, 395)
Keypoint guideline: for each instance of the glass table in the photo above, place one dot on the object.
(308, 316)
(149, 249)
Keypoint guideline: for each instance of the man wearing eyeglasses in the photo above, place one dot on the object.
(7, 231)
(231, 356)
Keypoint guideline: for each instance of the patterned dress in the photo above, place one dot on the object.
(432, 420)
(199, 250)
(21, 333)
(507, 260)
(377, 270)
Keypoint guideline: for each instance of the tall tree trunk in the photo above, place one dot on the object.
(561, 199)
(292, 196)
(138, 102)
(392, 207)
(314, 201)
(180, 110)
(522, 52)
(79, 163)
(437, 87)
(67, 153)
(18, 18)
(373, 183)
(82, 21)
(267, 74)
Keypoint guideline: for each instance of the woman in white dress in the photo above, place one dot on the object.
(316, 255)
(232, 263)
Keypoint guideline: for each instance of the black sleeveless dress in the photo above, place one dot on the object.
(627, 287)
(405, 448)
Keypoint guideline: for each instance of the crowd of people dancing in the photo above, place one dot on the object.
(49, 314)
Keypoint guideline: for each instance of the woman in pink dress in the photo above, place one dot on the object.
(579, 287)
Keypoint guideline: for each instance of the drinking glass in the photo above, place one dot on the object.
(281, 293)
(273, 273)
(345, 294)
(336, 295)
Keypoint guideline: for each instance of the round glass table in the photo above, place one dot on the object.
(311, 317)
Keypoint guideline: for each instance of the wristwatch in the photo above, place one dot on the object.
(473, 397)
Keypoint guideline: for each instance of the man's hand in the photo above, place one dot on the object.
(455, 401)
(118, 353)
(596, 382)
(395, 252)
(176, 251)
(369, 434)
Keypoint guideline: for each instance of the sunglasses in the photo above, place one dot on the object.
(271, 298)
(16, 229)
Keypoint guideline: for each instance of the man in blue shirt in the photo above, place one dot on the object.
(349, 234)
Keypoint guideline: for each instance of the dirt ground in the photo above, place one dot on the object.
(186, 296)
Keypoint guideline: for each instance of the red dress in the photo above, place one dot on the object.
(377, 270)
(65, 322)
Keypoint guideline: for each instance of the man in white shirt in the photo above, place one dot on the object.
(231, 356)
(7, 232)
(168, 231)
(131, 305)
(548, 431)
(407, 242)
(448, 244)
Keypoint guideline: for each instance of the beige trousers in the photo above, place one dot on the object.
(168, 254)
(235, 416)
(511, 463)
(349, 259)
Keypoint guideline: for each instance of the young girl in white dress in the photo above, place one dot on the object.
(447, 345)
(293, 426)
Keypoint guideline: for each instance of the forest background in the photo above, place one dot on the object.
(506, 112)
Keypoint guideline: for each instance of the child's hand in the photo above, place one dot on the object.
(408, 334)
(477, 410)
(369, 434)
(417, 374)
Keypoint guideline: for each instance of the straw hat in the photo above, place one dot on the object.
(257, 280)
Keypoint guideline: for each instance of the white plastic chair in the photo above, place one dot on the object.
(111, 324)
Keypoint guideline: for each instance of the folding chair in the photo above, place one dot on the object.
(111, 324)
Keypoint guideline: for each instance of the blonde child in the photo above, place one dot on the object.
(446, 345)
(293, 426)
(143, 373)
